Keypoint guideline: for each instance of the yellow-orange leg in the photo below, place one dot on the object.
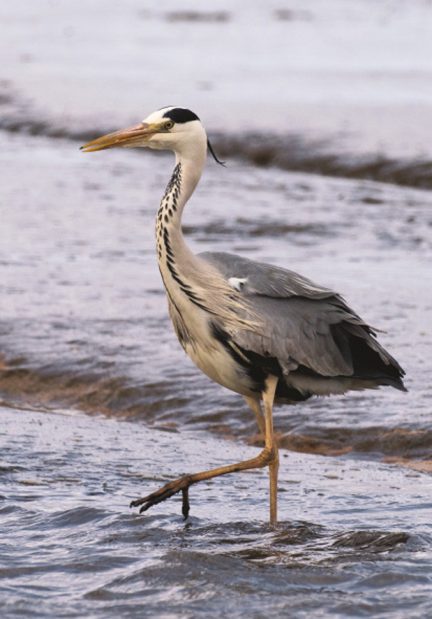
(183, 483)
(255, 406)
(270, 444)
(267, 457)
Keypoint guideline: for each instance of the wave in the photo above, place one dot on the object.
(290, 152)
(159, 404)
(294, 152)
(91, 392)
(15, 123)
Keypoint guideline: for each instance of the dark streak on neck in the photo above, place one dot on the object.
(168, 207)
(185, 288)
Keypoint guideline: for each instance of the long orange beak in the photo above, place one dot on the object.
(132, 136)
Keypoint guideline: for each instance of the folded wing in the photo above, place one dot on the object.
(308, 329)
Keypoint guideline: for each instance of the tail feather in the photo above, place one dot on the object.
(370, 361)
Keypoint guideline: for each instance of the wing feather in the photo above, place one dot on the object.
(265, 279)
(303, 324)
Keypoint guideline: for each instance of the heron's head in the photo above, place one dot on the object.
(170, 128)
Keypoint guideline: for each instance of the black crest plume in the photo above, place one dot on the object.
(210, 147)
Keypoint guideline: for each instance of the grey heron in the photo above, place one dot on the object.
(264, 332)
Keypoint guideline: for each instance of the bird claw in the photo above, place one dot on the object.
(173, 487)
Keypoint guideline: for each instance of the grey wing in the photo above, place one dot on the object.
(259, 278)
(304, 325)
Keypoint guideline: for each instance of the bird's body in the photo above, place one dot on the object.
(261, 331)
(315, 344)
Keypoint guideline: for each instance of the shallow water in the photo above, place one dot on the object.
(84, 318)
(84, 325)
(71, 547)
(342, 87)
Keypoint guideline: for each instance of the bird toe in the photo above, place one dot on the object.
(167, 491)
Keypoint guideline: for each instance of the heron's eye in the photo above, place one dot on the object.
(169, 125)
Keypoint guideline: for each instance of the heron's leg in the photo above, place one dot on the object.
(268, 396)
(183, 483)
(255, 406)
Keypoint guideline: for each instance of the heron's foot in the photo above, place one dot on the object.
(173, 487)
(267, 457)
